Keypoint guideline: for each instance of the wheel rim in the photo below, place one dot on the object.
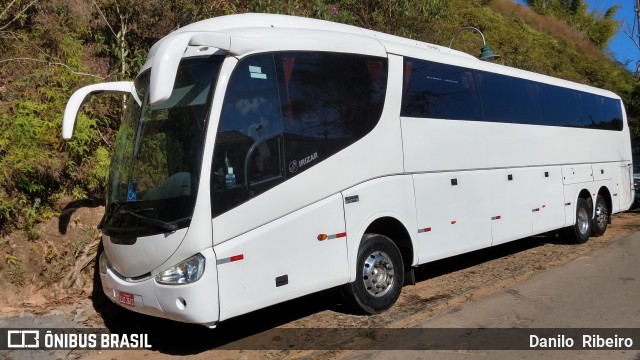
(583, 221)
(377, 273)
(601, 215)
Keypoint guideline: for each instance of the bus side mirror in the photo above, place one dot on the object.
(78, 98)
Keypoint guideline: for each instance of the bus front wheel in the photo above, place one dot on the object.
(380, 275)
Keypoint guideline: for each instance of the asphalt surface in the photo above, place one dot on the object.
(601, 291)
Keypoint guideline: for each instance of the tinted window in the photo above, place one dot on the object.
(434, 90)
(591, 114)
(612, 114)
(561, 106)
(508, 99)
(329, 101)
(247, 157)
(601, 113)
(439, 91)
(285, 112)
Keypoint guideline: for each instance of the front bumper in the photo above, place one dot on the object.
(192, 303)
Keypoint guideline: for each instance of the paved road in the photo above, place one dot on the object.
(601, 290)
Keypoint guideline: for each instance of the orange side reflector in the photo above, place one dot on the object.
(453, 222)
(322, 237)
(236, 258)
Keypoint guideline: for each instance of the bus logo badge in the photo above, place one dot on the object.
(293, 166)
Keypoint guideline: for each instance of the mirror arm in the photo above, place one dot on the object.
(80, 96)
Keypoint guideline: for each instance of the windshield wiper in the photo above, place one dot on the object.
(168, 226)
(108, 213)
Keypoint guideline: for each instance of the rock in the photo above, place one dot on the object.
(25, 314)
(56, 312)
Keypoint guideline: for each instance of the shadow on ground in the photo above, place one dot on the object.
(176, 338)
(70, 208)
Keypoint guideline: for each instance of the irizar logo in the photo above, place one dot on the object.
(293, 166)
(296, 164)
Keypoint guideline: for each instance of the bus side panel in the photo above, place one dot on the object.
(453, 213)
(606, 176)
(283, 259)
(386, 197)
(547, 199)
(625, 187)
(511, 213)
(574, 174)
(603, 171)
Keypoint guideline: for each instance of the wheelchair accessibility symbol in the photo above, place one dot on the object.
(131, 192)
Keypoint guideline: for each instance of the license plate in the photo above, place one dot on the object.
(127, 299)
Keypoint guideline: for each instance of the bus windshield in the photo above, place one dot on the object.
(156, 161)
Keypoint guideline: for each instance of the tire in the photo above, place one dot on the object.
(600, 218)
(579, 232)
(379, 277)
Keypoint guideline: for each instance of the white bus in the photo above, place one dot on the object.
(265, 157)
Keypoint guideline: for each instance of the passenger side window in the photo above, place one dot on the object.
(561, 106)
(508, 99)
(247, 158)
(439, 91)
(612, 112)
(328, 102)
(285, 112)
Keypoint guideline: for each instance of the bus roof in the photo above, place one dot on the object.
(269, 21)
(247, 33)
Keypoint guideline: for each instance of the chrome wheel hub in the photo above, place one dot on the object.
(377, 273)
(601, 216)
(583, 221)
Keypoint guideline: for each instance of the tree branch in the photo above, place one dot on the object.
(105, 18)
(631, 34)
(7, 8)
(104, 140)
(52, 63)
(17, 16)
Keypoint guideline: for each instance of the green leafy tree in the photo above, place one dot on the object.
(43, 59)
(598, 27)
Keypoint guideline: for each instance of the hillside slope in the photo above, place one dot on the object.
(52, 48)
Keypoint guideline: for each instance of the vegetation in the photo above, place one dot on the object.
(598, 27)
(51, 48)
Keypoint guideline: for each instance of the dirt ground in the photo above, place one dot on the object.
(442, 286)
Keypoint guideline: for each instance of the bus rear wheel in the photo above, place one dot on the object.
(379, 278)
(600, 218)
(580, 232)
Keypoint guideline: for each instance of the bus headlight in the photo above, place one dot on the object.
(103, 264)
(185, 272)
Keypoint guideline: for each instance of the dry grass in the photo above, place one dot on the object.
(547, 24)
